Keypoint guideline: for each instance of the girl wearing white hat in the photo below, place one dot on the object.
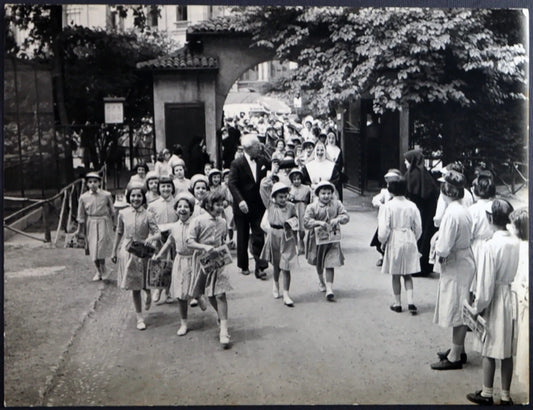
(96, 219)
(280, 242)
(325, 212)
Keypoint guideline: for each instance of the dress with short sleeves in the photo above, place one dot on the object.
(95, 209)
(134, 225)
(182, 267)
(495, 273)
(162, 211)
(181, 185)
(327, 255)
(279, 248)
(301, 197)
(208, 230)
(457, 272)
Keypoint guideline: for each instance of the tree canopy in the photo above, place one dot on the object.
(394, 56)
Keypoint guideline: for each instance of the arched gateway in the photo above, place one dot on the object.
(191, 86)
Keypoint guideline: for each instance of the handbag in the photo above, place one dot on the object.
(159, 273)
(73, 240)
(140, 250)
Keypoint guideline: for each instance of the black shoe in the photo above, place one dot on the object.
(444, 355)
(506, 402)
(396, 309)
(447, 365)
(260, 274)
(412, 309)
(245, 272)
(479, 399)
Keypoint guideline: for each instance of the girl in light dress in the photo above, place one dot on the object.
(384, 195)
(152, 187)
(399, 228)
(207, 231)
(493, 302)
(180, 287)
(96, 217)
(455, 262)
(162, 168)
(280, 243)
(181, 184)
(134, 224)
(323, 212)
(162, 212)
(279, 153)
(300, 196)
(140, 176)
(484, 191)
(199, 188)
(519, 228)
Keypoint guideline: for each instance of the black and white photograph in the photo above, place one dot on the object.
(155, 154)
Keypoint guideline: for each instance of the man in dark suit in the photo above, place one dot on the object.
(245, 176)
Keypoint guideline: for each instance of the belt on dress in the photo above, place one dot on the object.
(276, 226)
(297, 201)
(185, 254)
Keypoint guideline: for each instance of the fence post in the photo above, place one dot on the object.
(46, 222)
(61, 216)
(511, 166)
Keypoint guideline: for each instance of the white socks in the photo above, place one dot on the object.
(455, 353)
(397, 300)
(329, 287)
(487, 392)
(223, 327)
(409, 293)
(504, 395)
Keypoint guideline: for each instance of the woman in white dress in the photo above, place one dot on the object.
(321, 168)
(455, 261)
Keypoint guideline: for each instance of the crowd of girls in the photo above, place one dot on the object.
(477, 243)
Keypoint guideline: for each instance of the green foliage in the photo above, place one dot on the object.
(461, 71)
(395, 56)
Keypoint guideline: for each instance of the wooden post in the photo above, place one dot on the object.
(61, 216)
(69, 218)
(46, 222)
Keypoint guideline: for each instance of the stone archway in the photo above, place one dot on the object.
(200, 75)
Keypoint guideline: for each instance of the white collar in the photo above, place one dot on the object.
(248, 157)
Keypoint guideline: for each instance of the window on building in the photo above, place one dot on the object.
(181, 13)
(153, 16)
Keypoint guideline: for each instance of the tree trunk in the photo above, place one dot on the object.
(56, 21)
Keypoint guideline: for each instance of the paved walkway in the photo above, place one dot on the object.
(69, 341)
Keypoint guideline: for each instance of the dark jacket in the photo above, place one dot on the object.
(243, 187)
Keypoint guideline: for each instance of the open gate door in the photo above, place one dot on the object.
(354, 148)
